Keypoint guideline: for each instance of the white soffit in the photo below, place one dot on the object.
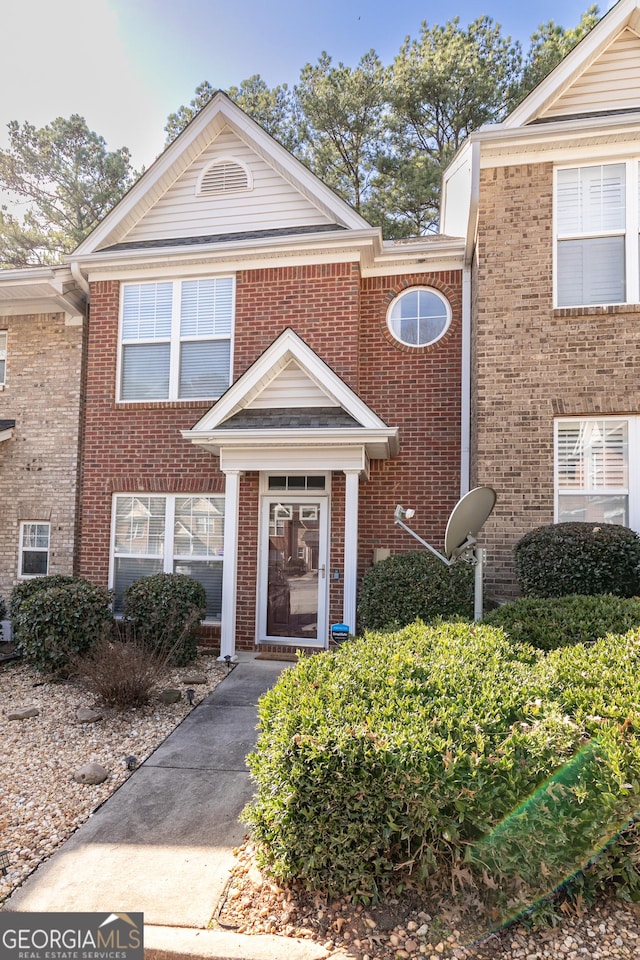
(538, 104)
(40, 290)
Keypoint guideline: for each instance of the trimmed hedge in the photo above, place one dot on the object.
(410, 586)
(54, 625)
(165, 611)
(548, 623)
(567, 558)
(23, 591)
(402, 758)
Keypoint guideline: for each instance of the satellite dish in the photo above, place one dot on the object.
(467, 519)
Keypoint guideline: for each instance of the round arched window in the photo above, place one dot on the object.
(419, 316)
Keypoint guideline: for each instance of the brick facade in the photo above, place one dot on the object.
(38, 464)
(137, 447)
(532, 363)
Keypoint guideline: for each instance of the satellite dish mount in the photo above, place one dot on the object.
(461, 537)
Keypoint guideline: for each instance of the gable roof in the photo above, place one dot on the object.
(219, 119)
(600, 75)
(291, 397)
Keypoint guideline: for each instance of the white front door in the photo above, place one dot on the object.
(293, 585)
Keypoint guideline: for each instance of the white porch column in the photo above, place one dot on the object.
(350, 547)
(230, 564)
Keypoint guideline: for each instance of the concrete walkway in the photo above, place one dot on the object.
(162, 844)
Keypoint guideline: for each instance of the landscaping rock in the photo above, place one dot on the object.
(87, 715)
(195, 680)
(91, 773)
(23, 713)
(170, 695)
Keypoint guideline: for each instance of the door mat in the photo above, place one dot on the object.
(286, 657)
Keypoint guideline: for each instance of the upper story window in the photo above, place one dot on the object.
(597, 225)
(176, 339)
(419, 316)
(3, 357)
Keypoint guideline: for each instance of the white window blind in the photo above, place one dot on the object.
(168, 534)
(176, 339)
(591, 223)
(592, 470)
(3, 356)
(597, 225)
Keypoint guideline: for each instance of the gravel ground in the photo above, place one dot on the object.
(437, 930)
(41, 805)
(40, 802)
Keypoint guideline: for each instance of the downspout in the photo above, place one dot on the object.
(80, 278)
(467, 294)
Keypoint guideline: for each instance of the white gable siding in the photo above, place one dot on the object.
(292, 387)
(271, 204)
(612, 82)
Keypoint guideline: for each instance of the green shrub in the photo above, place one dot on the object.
(53, 625)
(23, 591)
(440, 751)
(165, 611)
(410, 586)
(566, 558)
(548, 623)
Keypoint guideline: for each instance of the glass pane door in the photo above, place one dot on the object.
(295, 581)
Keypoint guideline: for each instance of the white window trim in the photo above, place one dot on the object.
(28, 523)
(416, 289)
(4, 338)
(631, 233)
(169, 556)
(174, 340)
(633, 490)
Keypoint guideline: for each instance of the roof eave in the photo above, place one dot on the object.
(379, 444)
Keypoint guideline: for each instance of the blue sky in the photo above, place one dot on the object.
(126, 64)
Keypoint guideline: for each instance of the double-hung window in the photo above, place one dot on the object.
(597, 221)
(34, 549)
(155, 533)
(597, 470)
(3, 357)
(176, 339)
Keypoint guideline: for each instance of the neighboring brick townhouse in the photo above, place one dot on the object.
(265, 378)
(549, 203)
(41, 329)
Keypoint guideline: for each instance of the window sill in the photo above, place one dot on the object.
(597, 310)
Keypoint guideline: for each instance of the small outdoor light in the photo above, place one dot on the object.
(190, 695)
(228, 663)
(131, 763)
(4, 861)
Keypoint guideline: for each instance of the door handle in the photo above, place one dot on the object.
(323, 570)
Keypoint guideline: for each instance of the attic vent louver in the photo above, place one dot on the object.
(224, 176)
